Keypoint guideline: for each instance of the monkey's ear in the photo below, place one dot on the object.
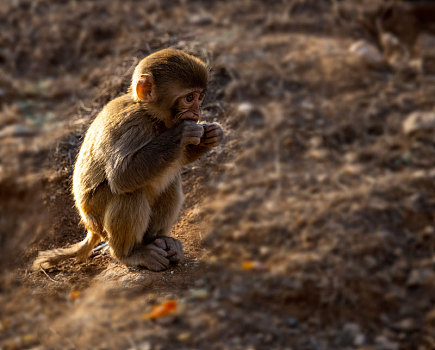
(145, 88)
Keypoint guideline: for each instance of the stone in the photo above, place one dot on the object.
(16, 130)
(367, 52)
(406, 325)
(201, 19)
(351, 335)
(419, 123)
(383, 343)
(419, 277)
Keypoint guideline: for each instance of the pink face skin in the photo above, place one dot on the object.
(189, 103)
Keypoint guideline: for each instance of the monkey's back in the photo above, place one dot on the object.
(103, 141)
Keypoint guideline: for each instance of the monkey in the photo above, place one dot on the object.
(127, 176)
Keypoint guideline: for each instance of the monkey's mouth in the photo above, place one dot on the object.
(189, 116)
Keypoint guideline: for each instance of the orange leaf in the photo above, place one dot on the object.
(74, 295)
(251, 265)
(165, 309)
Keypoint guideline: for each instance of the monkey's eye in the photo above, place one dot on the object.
(190, 97)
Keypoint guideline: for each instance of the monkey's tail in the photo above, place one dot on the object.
(80, 251)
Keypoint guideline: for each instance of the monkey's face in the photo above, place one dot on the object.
(172, 84)
(187, 105)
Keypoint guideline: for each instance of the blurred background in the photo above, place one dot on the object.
(311, 227)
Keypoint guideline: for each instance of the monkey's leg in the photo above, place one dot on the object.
(91, 240)
(125, 222)
(164, 214)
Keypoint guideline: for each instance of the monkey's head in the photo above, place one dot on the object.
(172, 84)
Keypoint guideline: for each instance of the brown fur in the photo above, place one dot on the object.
(127, 184)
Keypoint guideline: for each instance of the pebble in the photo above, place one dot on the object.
(245, 107)
(366, 52)
(183, 336)
(383, 343)
(142, 346)
(199, 293)
(292, 322)
(419, 122)
(16, 130)
(349, 335)
(201, 19)
(418, 277)
(405, 325)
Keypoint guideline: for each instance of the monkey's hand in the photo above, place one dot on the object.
(190, 132)
(172, 247)
(212, 136)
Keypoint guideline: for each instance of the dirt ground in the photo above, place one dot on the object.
(311, 227)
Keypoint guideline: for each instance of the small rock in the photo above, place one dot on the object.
(308, 105)
(142, 346)
(351, 157)
(419, 123)
(316, 141)
(183, 336)
(16, 130)
(318, 154)
(397, 55)
(222, 313)
(418, 277)
(201, 19)
(390, 43)
(416, 64)
(383, 343)
(366, 52)
(264, 250)
(292, 322)
(359, 340)
(405, 325)
(199, 293)
(429, 230)
(245, 107)
(350, 333)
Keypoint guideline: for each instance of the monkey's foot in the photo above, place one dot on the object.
(150, 256)
(172, 246)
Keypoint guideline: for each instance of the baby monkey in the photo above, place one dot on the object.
(127, 183)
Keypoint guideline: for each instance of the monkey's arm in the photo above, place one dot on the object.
(137, 159)
(193, 152)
